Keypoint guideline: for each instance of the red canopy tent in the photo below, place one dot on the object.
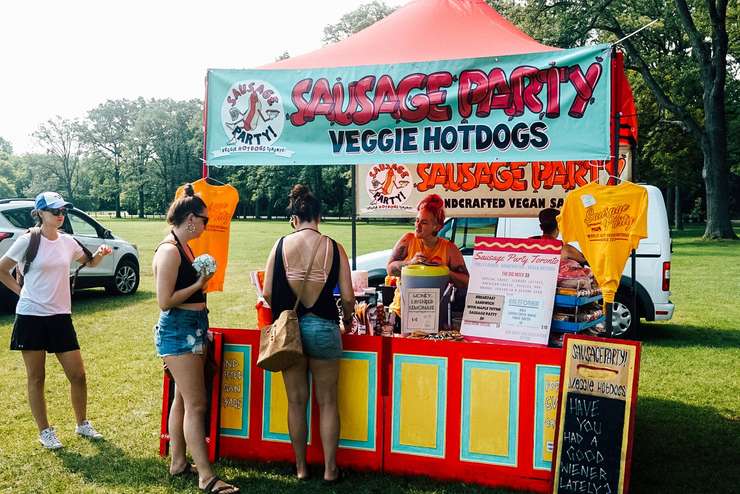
(427, 30)
(424, 31)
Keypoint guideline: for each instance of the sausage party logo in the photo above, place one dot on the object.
(389, 187)
(253, 117)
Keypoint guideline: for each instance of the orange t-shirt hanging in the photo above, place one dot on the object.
(607, 221)
(221, 201)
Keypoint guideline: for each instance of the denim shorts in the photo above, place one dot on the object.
(320, 337)
(180, 331)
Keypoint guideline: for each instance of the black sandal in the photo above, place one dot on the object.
(212, 489)
(187, 470)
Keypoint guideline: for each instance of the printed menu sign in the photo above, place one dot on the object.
(596, 415)
(420, 310)
(512, 289)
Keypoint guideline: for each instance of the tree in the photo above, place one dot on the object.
(60, 138)
(106, 130)
(689, 47)
(7, 170)
(174, 128)
(352, 22)
(139, 150)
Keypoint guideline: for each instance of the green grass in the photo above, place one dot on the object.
(687, 436)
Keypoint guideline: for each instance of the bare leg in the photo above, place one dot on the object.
(188, 373)
(177, 436)
(35, 362)
(74, 369)
(326, 379)
(296, 387)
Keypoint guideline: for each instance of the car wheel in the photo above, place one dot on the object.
(126, 278)
(625, 320)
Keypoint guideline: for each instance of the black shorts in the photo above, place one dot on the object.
(55, 334)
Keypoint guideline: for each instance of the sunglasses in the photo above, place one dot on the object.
(57, 211)
(204, 218)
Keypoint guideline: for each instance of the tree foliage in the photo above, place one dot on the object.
(682, 63)
(352, 22)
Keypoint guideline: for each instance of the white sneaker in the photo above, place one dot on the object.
(88, 431)
(48, 439)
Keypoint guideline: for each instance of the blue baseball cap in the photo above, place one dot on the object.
(51, 200)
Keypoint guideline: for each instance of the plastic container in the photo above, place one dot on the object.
(432, 277)
(359, 282)
(264, 314)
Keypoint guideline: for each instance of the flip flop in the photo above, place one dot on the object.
(226, 488)
(187, 470)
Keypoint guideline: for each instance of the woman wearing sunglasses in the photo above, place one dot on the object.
(43, 321)
(180, 338)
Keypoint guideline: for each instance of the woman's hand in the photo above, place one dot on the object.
(419, 258)
(204, 279)
(103, 250)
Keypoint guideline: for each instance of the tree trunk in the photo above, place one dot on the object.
(141, 201)
(669, 204)
(117, 179)
(716, 170)
(677, 214)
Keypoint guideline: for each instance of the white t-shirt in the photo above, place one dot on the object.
(46, 289)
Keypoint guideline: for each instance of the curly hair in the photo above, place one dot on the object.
(435, 205)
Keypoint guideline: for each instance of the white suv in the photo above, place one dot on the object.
(653, 259)
(118, 272)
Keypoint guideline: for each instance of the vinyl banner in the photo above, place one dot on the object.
(538, 106)
(484, 189)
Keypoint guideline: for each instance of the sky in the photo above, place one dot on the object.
(65, 57)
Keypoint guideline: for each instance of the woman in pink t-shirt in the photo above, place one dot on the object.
(43, 321)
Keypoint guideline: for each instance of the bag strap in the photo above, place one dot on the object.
(89, 256)
(308, 272)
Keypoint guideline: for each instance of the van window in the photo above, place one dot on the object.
(20, 217)
(467, 229)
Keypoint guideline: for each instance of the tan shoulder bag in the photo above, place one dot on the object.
(280, 344)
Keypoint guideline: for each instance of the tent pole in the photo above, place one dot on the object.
(205, 130)
(354, 217)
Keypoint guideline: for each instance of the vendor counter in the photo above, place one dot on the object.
(478, 413)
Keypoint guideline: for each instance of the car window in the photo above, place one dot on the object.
(468, 228)
(20, 217)
(80, 225)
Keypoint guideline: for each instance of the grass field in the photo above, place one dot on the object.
(688, 419)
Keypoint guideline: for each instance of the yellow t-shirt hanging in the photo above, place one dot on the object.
(221, 201)
(607, 221)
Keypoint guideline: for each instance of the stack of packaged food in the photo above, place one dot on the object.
(578, 303)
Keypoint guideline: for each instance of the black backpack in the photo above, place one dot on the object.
(33, 249)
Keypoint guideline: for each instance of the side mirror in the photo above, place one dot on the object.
(107, 234)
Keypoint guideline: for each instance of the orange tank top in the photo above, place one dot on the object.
(436, 255)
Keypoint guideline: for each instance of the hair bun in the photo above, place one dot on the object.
(432, 201)
(299, 191)
(189, 190)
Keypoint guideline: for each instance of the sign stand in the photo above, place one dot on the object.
(596, 415)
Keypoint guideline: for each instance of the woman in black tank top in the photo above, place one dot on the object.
(180, 338)
(318, 320)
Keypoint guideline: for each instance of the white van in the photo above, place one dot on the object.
(652, 282)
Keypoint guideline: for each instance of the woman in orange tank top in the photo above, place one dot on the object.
(423, 246)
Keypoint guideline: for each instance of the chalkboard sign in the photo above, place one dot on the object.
(593, 438)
